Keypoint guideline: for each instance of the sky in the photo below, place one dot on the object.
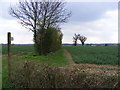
(96, 20)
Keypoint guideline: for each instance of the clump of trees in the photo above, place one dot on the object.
(48, 40)
(81, 38)
(43, 18)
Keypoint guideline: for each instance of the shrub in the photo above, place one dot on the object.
(32, 75)
(48, 40)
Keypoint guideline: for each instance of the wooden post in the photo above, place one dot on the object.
(9, 55)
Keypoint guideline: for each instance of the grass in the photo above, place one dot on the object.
(94, 55)
(54, 59)
(26, 52)
(5, 81)
(16, 50)
(40, 76)
(43, 71)
(19, 49)
(22, 53)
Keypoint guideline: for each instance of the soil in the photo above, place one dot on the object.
(90, 68)
(69, 57)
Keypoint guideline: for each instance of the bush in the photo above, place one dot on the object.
(32, 75)
(47, 41)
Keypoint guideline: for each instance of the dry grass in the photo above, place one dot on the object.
(36, 75)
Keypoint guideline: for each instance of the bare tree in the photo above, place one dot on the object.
(75, 38)
(82, 39)
(37, 16)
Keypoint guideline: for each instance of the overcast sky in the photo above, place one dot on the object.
(98, 21)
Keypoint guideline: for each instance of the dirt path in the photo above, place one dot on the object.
(101, 66)
(69, 57)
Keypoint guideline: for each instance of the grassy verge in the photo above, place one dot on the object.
(22, 54)
(5, 81)
(94, 55)
(53, 59)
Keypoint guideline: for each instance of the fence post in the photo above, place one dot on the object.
(9, 55)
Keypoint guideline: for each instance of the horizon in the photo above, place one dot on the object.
(63, 43)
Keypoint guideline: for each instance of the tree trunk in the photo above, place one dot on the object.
(82, 43)
(35, 41)
(75, 43)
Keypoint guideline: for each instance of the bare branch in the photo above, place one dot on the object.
(36, 15)
(82, 39)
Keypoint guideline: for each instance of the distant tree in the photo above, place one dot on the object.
(40, 16)
(82, 39)
(106, 44)
(75, 38)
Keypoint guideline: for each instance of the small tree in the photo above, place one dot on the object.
(75, 38)
(82, 39)
(48, 40)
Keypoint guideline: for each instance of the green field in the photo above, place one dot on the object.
(87, 54)
(93, 55)
(19, 49)
(105, 55)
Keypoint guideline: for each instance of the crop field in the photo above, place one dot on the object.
(105, 55)
(42, 71)
(19, 49)
(93, 55)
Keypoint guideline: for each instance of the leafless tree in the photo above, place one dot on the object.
(75, 38)
(82, 39)
(39, 15)
(35, 15)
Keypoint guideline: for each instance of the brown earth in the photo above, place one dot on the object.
(69, 57)
(90, 68)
